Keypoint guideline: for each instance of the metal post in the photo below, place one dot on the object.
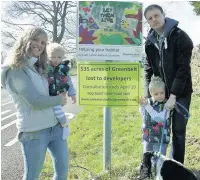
(107, 139)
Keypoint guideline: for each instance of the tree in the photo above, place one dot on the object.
(196, 5)
(198, 47)
(3, 56)
(57, 18)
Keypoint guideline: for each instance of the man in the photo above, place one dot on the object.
(169, 50)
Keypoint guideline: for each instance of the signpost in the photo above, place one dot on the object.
(109, 46)
(107, 138)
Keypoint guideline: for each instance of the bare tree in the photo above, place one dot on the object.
(3, 56)
(57, 18)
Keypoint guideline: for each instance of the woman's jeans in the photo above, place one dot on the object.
(34, 147)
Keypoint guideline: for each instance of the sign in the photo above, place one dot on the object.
(111, 53)
(109, 30)
(108, 84)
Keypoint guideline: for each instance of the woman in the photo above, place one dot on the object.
(38, 129)
(169, 51)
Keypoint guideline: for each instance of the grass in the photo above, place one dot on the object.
(86, 144)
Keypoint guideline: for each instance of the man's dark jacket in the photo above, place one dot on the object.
(170, 59)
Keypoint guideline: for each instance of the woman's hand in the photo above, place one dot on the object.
(64, 99)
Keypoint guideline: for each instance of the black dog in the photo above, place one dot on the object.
(158, 167)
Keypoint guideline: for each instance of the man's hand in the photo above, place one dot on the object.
(73, 99)
(169, 105)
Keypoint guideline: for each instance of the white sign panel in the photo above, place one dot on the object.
(116, 53)
(109, 30)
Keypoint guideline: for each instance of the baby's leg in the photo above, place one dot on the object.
(60, 115)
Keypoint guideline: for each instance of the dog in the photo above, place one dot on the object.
(158, 167)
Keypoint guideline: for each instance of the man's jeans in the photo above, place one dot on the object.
(179, 130)
(34, 147)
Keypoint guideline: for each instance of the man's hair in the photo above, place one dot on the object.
(52, 47)
(152, 7)
(156, 82)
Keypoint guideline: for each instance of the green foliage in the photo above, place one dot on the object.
(196, 5)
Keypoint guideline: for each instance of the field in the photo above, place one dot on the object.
(86, 141)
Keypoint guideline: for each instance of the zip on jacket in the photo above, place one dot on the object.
(161, 57)
(162, 67)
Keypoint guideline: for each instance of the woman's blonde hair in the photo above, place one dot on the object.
(156, 82)
(22, 48)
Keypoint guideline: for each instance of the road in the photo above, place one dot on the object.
(11, 155)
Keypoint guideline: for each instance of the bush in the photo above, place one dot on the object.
(195, 68)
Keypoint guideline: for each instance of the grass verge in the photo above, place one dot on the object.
(86, 144)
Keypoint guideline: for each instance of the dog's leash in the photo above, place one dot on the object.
(163, 129)
(177, 107)
(185, 112)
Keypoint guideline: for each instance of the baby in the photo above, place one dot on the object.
(59, 81)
